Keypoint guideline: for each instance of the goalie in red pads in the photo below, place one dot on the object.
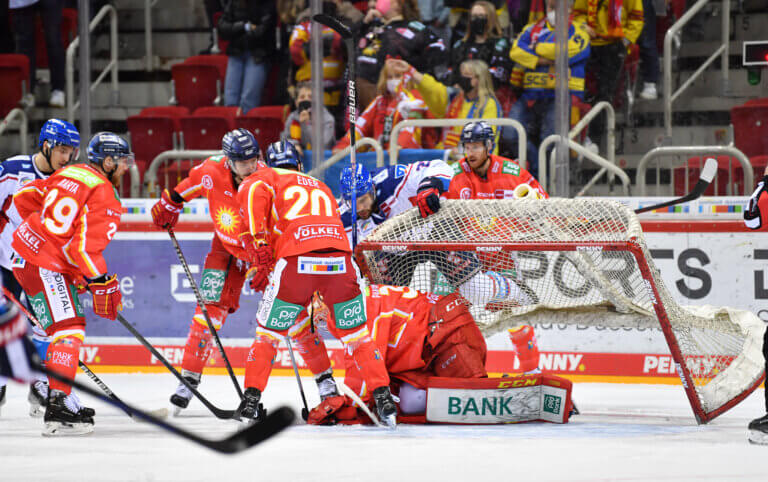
(421, 336)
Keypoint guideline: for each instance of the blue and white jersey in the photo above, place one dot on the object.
(15, 172)
(396, 188)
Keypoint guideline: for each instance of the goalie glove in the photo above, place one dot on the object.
(428, 196)
(165, 212)
(107, 299)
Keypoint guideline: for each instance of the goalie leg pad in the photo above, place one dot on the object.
(62, 357)
(260, 359)
(455, 346)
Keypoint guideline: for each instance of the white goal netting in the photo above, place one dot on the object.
(564, 261)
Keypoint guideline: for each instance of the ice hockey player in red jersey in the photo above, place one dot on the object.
(293, 218)
(225, 266)
(482, 175)
(756, 217)
(69, 219)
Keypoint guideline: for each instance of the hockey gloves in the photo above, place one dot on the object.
(260, 257)
(106, 296)
(333, 411)
(428, 196)
(165, 212)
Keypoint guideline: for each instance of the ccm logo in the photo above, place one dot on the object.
(453, 304)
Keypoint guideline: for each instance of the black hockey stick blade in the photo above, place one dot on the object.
(334, 23)
(705, 179)
(241, 440)
(219, 413)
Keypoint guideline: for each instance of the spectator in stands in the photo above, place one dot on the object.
(649, 51)
(250, 29)
(392, 29)
(534, 55)
(474, 100)
(484, 41)
(612, 26)
(434, 14)
(397, 100)
(7, 46)
(212, 7)
(460, 12)
(298, 125)
(24, 13)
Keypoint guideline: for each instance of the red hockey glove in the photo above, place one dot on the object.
(333, 411)
(106, 296)
(428, 196)
(166, 211)
(260, 257)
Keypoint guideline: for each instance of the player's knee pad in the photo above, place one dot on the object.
(525, 347)
(259, 363)
(217, 314)
(63, 354)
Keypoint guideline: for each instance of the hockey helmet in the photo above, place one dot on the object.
(363, 182)
(477, 131)
(283, 154)
(240, 145)
(60, 133)
(108, 144)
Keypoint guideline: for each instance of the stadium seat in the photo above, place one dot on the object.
(727, 168)
(761, 101)
(206, 127)
(14, 77)
(154, 130)
(266, 123)
(199, 80)
(750, 128)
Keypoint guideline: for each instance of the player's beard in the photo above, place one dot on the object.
(115, 179)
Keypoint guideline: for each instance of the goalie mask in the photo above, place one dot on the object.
(242, 151)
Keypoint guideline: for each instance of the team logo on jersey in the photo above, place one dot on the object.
(465, 193)
(207, 182)
(282, 315)
(227, 220)
(212, 285)
(349, 314)
(310, 265)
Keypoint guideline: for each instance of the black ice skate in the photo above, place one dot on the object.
(37, 398)
(2, 397)
(250, 406)
(183, 395)
(326, 385)
(385, 407)
(758, 430)
(65, 416)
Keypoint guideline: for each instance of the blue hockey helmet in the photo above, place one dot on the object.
(240, 145)
(108, 144)
(59, 133)
(283, 154)
(364, 182)
(478, 131)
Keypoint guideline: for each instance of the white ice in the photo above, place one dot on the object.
(624, 432)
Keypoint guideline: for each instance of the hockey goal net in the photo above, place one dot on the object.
(575, 262)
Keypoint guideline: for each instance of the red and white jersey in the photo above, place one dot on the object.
(213, 179)
(503, 176)
(294, 211)
(756, 215)
(69, 219)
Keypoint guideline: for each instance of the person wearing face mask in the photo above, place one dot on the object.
(534, 72)
(397, 101)
(298, 125)
(483, 41)
(476, 98)
(393, 29)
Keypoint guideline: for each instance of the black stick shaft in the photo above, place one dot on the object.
(305, 412)
(203, 308)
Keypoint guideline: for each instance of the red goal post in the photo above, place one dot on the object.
(573, 261)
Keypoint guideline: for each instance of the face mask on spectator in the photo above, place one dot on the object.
(392, 85)
(383, 6)
(466, 84)
(304, 105)
(551, 17)
(329, 8)
(477, 25)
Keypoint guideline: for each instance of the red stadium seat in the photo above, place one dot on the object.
(750, 129)
(265, 129)
(14, 79)
(205, 128)
(762, 101)
(726, 170)
(154, 130)
(199, 80)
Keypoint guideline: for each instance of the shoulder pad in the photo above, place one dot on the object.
(511, 168)
(416, 25)
(218, 158)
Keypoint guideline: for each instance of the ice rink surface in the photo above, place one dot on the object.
(625, 432)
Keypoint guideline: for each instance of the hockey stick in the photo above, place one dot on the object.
(201, 304)
(305, 410)
(159, 413)
(275, 422)
(707, 174)
(350, 42)
(351, 394)
(219, 413)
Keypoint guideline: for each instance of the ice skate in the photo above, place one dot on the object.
(38, 398)
(758, 431)
(385, 407)
(65, 416)
(180, 399)
(250, 407)
(326, 385)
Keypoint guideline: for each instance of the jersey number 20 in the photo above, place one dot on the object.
(318, 201)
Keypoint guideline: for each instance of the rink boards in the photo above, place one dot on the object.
(704, 252)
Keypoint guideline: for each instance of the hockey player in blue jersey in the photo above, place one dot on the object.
(59, 144)
(395, 189)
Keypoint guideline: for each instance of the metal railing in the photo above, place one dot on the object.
(72, 105)
(135, 188)
(722, 51)
(150, 177)
(149, 60)
(642, 166)
(365, 141)
(494, 121)
(605, 164)
(23, 126)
